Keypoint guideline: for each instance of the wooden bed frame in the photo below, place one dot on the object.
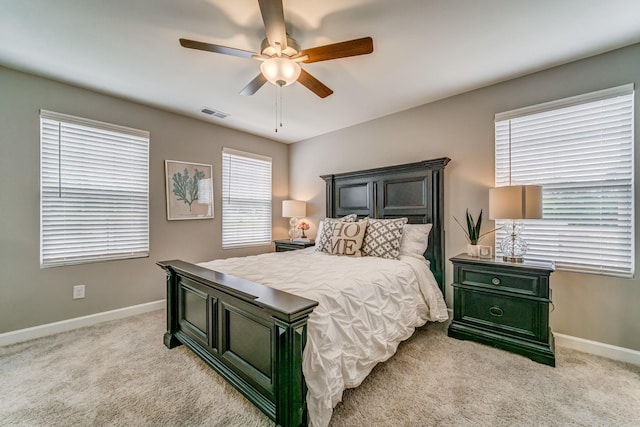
(254, 335)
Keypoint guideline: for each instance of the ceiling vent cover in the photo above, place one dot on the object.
(214, 113)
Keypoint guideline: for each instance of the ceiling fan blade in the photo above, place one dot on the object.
(192, 44)
(355, 47)
(314, 85)
(273, 18)
(254, 85)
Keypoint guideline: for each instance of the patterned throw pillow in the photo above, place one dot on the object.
(383, 237)
(323, 239)
(347, 238)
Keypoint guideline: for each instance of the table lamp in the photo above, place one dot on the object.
(293, 209)
(515, 203)
(205, 193)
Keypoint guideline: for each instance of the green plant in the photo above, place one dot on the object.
(185, 188)
(472, 231)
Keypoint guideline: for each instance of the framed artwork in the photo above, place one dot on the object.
(485, 251)
(189, 190)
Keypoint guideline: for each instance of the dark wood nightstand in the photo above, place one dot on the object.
(503, 304)
(288, 245)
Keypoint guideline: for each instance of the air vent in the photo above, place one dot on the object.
(214, 113)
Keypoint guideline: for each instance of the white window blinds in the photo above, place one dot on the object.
(246, 199)
(94, 197)
(580, 150)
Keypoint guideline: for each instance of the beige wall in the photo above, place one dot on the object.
(592, 307)
(32, 296)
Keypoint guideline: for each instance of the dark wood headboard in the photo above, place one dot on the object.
(413, 190)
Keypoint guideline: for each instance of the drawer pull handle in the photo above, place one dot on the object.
(496, 311)
(495, 281)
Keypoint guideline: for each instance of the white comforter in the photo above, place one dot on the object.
(367, 306)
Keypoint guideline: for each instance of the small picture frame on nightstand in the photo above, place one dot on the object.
(485, 252)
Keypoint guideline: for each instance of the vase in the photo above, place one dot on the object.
(472, 250)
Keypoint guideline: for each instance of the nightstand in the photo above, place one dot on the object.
(503, 304)
(288, 245)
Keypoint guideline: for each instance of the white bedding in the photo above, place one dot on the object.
(367, 306)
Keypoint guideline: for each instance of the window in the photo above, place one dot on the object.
(580, 150)
(246, 199)
(94, 197)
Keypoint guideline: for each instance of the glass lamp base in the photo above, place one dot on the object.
(513, 246)
(293, 231)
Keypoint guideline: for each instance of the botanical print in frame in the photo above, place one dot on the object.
(189, 190)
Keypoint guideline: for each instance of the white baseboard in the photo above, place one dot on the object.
(620, 354)
(26, 334)
(593, 347)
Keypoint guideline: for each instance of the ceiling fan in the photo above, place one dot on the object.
(281, 55)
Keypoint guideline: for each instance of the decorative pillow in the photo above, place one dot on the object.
(382, 238)
(415, 238)
(347, 238)
(325, 228)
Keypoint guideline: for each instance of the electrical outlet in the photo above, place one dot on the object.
(78, 291)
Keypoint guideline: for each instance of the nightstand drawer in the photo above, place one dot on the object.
(284, 247)
(510, 282)
(506, 315)
(289, 245)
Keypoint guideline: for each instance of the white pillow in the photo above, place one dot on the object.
(415, 238)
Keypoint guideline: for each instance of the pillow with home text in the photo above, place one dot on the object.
(347, 237)
(325, 228)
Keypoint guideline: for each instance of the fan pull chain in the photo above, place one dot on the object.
(276, 121)
(280, 93)
(278, 107)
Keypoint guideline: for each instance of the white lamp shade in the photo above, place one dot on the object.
(280, 71)
(293, 209)
(515, 202)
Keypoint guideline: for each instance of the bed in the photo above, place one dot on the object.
(262, 330)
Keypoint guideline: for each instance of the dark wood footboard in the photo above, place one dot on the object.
(251, 334)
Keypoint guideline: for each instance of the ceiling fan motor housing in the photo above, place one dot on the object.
(292, 48)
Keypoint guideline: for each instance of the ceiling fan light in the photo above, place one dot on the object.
(280, 71)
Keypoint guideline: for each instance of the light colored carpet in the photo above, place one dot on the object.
(120, 374)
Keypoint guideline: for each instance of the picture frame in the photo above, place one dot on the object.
(189, 190)
(485, 252)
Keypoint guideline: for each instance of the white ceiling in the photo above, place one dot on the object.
(424, 50)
